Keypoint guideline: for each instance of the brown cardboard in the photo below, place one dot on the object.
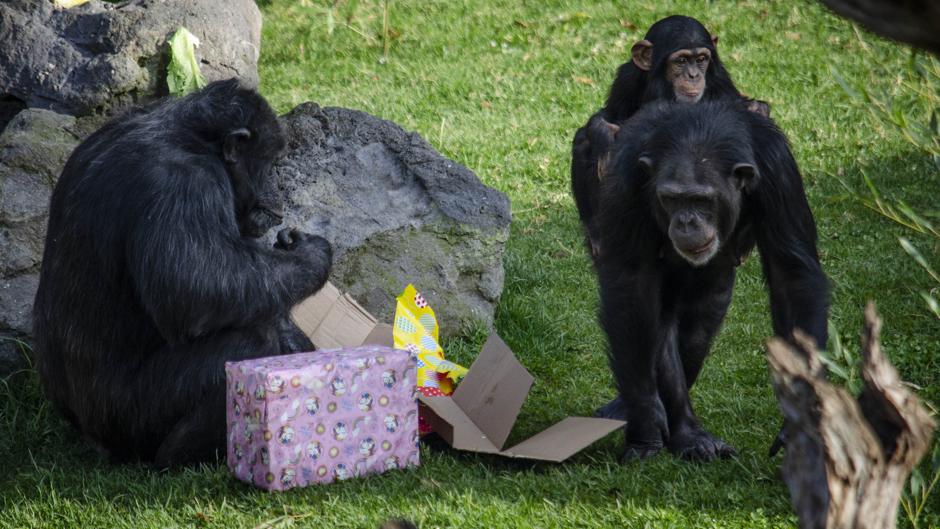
(492, 392)
(332, 319)
(482, 411)
(484, 408)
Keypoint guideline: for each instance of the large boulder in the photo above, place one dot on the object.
(91, 58)
(396, 212)
(33, 150)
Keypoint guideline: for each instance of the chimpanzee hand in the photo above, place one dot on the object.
(293, 240)
(258, 221)
(780, 441)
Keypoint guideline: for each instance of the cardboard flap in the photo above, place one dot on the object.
(492, 392)
(332, 319)
(382, 334)
(564, 439)
(309, 313)
(455, 427)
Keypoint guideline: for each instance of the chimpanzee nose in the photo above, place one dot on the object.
(685, 221)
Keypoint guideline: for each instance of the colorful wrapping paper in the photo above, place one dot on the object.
(312, 418)
(416, 331)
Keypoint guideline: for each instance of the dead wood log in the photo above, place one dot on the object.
(847, 460)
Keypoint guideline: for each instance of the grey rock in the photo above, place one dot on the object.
(9, 107)
(16, 302)
(33, 149)
(13, 354)
(396, 212)
(97, 56)
(394, 209)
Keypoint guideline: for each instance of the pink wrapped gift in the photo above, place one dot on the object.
(317, 417)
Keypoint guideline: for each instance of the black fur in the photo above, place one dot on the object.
(152, 278)
(632, 88)
(659, 312)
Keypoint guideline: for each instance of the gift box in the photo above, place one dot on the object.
(313, 418)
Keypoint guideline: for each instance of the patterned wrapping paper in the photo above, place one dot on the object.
(313, 418)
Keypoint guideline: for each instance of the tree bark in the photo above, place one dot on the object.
(847, 460)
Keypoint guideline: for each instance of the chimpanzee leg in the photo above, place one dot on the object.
(699, 322)
(630, 307)
(293, 340)
(680, 365)
(180, 393)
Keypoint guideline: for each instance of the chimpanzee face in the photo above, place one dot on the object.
(680, 75)
(698, 202)
(249, 156)
(685, 71)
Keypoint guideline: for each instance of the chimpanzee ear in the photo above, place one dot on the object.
(646, 164)
(745, 176)
(643, 55)
(715, 41)
(233, 143)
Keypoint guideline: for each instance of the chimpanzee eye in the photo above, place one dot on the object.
(700, 59)
(680, 61)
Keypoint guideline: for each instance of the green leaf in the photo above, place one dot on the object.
(834, 367)
(182, 74)
(851, 92)
(917, 483)
(932, 303)
(330, 22)
(918, 257)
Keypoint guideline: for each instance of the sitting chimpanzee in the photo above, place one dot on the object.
(153, 275)
(676, 61)
(689, 188)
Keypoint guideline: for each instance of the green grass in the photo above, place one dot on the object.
(501, 86)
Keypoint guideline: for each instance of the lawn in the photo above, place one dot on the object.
(501, 86)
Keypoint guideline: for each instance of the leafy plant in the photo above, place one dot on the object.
(841, 364)
(912, 107)
(182, 74)
(917, 495)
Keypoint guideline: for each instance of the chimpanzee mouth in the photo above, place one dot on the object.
(699, 255)
(688, 97)
(698, 250)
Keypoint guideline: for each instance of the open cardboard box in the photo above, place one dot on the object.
(333, 319)
(480, 414)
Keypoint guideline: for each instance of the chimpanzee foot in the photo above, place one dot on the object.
(641, 450)
(695, 444)
(647, 428)
(612, 410)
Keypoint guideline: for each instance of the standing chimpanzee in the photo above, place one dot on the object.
(689, 188)
(676, 61)
(153, 275)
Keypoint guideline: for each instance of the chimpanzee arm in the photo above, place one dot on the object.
(193, 272)
(786, 238)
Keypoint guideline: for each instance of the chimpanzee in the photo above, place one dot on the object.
(689, 188)
(676, 61)
(153, 274)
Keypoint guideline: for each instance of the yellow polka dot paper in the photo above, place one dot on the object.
(416, 330)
